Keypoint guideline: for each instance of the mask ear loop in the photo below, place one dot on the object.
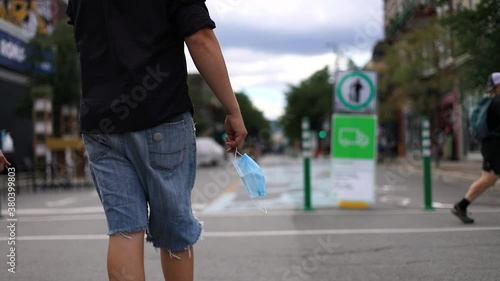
(236, 151)
(258, 207)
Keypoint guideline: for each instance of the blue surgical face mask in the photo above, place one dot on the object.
(252, 176)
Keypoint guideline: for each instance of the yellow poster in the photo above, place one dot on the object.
(30, 16)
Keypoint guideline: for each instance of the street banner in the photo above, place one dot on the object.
(353, 159)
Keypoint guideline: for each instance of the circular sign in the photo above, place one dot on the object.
(357, 86)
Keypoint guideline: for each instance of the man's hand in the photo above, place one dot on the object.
(236, 131)
(3, 161)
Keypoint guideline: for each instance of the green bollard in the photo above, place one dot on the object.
(306, 154)
(426, 157)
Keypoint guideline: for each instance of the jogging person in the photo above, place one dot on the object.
(490, 150)
(137, 126)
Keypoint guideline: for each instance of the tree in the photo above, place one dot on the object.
(51, 62)
(258, 127)
(351, 65)
(417, 67)
(311, 98)
(388, 103)
(37, 55)
(66, 74)
(477, 33)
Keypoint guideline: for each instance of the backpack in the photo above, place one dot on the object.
(478, 120)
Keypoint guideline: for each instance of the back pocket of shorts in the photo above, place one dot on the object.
(167, 144)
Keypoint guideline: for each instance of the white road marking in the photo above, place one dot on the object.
(61, 203)
(397, 200)
(391, 188)
(345, 231)
(58, 211)
(63, 218)
(199, 206)
(85, 213)
(221, 201)
(337, 212)
(275, 233)
(439, 205)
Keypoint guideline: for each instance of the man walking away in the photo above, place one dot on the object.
(137, 125)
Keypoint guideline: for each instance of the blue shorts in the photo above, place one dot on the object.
(154, 168)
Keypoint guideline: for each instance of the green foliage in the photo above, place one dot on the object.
(477, 33)
(311, 98)
(42, 91)
(257, 125)
(388, 102)
(58, 49)
(38, 48)
(417, 67)
(66, 74)
(351, 65)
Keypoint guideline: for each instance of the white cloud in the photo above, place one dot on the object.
(269, 44)
(294, 15)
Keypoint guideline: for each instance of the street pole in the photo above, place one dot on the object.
(306, 154)
(426, 156)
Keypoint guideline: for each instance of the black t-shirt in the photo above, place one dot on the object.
(134, 73)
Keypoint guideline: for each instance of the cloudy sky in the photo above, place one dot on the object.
(270, 44)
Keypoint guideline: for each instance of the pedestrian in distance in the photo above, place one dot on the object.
(137, 126)
(490, 150)
(3, 161)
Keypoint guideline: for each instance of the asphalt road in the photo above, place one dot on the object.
(60, 235)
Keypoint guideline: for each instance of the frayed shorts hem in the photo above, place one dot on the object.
(156, 245)
(127, 231)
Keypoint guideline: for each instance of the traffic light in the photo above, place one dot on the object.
(322, 134)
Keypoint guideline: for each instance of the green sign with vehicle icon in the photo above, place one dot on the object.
(354, 136)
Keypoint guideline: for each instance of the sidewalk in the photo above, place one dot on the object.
(463, 171)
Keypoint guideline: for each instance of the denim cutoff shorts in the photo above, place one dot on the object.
(153, 168)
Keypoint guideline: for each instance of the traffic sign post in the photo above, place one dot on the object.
(354, 138)
(355, 92)
(426, 156)
(306, 154)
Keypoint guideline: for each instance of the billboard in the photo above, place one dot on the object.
(28, 16)
(12, 51)
(20, 20)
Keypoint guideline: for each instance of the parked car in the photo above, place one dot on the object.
(209, 152)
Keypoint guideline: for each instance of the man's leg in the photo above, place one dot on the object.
(178, 266)
(126, 257)
(487, 180)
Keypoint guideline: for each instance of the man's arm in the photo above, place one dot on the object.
(3, 161)
(207, 56)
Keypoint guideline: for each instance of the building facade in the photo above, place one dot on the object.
(20, 20)
(449, 126)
